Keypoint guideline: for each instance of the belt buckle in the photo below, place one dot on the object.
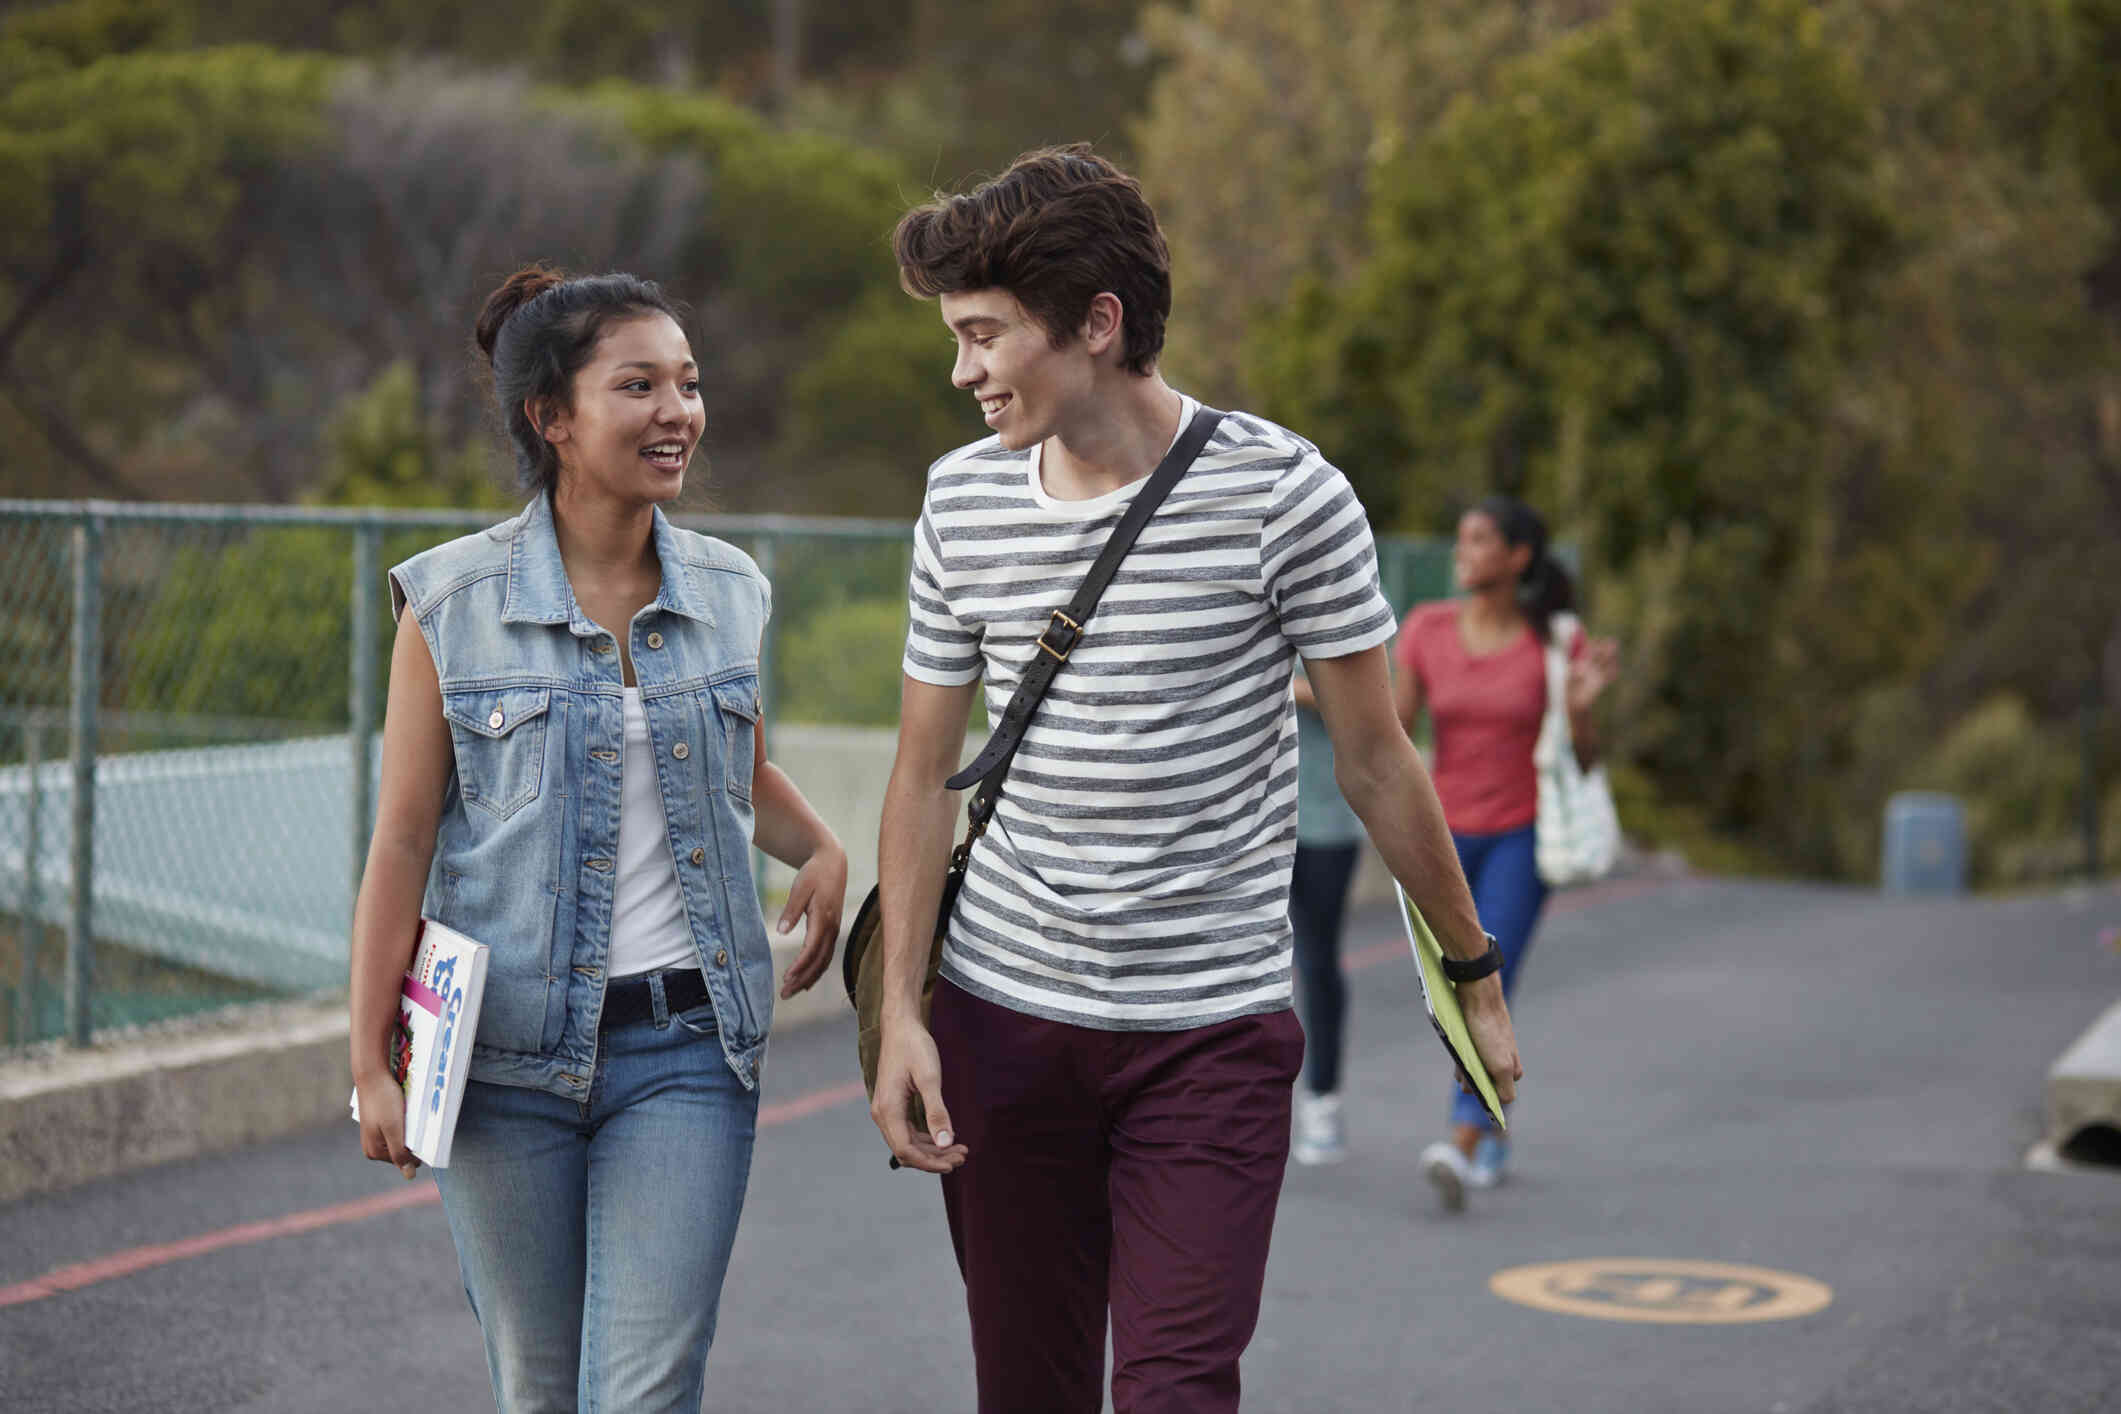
(1068, 629)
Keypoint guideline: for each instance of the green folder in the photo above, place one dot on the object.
(1440, 994)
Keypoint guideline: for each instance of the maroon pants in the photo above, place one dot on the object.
(1134, 1172)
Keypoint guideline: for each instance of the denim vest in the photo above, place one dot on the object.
(524, 855)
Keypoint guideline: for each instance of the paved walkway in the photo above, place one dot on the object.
(1807, 1081)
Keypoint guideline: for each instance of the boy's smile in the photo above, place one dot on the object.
(1010, 364)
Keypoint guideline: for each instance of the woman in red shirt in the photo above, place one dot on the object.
(1477, 663)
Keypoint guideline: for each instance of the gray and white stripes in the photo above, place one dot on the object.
(1136, 875)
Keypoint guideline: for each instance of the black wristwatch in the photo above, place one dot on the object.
(1474, 968)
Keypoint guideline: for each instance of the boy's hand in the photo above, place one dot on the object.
(908, 1067)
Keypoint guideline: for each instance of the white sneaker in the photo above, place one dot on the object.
(1447, 1171)
(1318, 1130)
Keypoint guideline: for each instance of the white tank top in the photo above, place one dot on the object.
(648, 927)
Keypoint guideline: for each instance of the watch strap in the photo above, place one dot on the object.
(1472, 969)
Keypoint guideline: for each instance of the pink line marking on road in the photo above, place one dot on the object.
(139, 1259)
(810, 1104)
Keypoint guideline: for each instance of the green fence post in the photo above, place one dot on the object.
(1392, 576)
(32, 905)
(361, 695)
(87, 689)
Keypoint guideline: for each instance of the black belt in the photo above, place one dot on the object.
(629, 998)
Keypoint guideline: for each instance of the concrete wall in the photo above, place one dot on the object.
(70, 1116)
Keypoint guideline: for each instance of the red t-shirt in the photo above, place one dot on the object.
(1486, 713)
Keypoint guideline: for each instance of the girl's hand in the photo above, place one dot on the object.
(819, 893)
(383, 1122)
(1592, 672)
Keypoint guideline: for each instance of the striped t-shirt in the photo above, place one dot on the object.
(1136, 874)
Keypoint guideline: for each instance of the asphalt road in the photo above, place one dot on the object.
(1811, 1081)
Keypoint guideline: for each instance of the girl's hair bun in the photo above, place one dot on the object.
(515, 292)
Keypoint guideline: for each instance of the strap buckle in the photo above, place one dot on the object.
(1064, 628)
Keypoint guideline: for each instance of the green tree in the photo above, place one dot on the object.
(253, 624)
(384, 451)
(248, 631)
(1982, 411)
(431, 185)
(953, 92)
(1621, 282)
(126, 182)
(843, 377)
(877, 409)
(1328, 91)
(842, 665)
(799, 218)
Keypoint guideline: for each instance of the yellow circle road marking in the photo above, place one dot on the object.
(1657, 1289)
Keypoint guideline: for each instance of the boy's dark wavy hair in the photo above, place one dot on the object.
(1057, 229)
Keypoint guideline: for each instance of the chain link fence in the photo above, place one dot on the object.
(190, 705)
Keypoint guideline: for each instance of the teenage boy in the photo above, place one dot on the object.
(1107, 1068)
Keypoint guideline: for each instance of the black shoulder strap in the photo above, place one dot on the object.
(1065, 630)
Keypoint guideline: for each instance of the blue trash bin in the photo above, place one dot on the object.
(1925, 844)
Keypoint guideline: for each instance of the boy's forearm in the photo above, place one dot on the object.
(1397, 804)
(912, 856)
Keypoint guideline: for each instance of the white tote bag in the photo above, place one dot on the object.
(1578, 831)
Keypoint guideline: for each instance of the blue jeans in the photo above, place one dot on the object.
(1508, 894)
(593, 1236)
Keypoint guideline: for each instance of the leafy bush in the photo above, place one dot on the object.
(877, 409)
(2019, 783)
(381, 452)
(842, 666)
(254, 624)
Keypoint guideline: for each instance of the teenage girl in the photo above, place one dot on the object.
(573, 776)
(1477, 664)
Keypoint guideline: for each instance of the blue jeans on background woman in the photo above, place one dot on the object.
(593, 1236)
(1503, 872)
